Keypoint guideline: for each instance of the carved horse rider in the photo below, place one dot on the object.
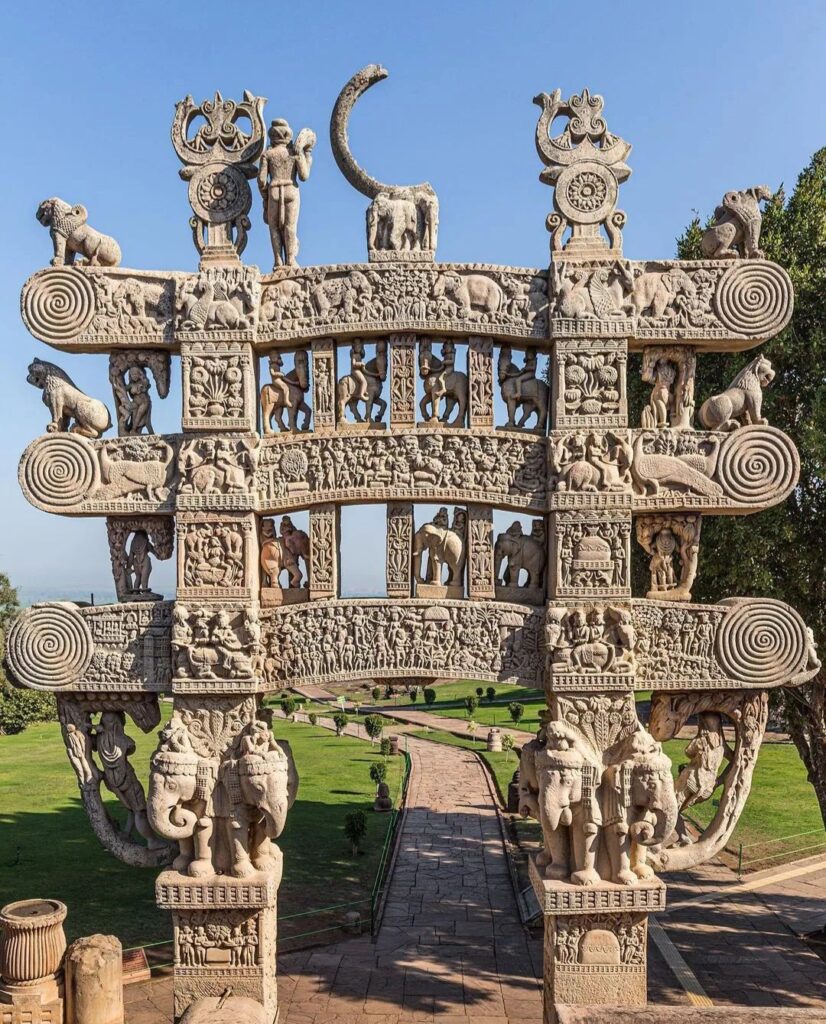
(442, 381)
(286, 392)
(363, 384)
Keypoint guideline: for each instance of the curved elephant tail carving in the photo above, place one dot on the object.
(340, 142)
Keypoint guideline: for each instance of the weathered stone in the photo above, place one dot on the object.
(94, 981)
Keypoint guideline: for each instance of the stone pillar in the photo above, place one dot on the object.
(32, 944)
(595, 941)
(225, 936)
(324, 384)
(480, 373)
(399, 554)
(94, 981)
(402, 380)
(324, 541)
(480, 574)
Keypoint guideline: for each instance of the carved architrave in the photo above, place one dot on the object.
(132, 542)
(480, 373)
(402, 380)
(216, 556)
(324, 544)
(324, 384)
(589, 383)
(591, 554)
(480, 574)
(399, 555)
(219, 389)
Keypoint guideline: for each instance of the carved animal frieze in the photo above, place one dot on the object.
(369, 638)
(221, 303)
(65, 647)
(211, 644)
(741, 404)
(363, 299)
(217, 473)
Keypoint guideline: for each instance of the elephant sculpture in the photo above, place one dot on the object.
(247, 794)
(445, 546)
(286, 393)
(392, 223)
(521, 552)
(565, 775)
(639, 806)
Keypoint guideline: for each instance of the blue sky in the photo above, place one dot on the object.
(712, 96)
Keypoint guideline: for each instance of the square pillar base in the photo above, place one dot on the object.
(225, 937)
(596, 936)
(41, 1003)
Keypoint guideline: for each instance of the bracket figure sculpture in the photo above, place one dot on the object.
(257, 605)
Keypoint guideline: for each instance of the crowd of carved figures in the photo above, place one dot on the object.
(407, 382)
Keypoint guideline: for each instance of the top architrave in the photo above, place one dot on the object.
(715, 305)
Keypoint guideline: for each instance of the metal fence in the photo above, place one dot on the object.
(743, 864)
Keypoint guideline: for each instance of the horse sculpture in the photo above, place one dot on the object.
(363, 384)
(441, 381)
(286, 393)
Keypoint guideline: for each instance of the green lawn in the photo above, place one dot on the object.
(48, 848)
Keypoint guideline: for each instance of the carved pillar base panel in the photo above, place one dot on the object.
(225, 936)
(595, 942)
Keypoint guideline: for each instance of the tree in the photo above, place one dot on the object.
(18, 707)
(312, 718)
(779, 552)
(507, 745)
(355, 829)
(378, 771)
(376, 692)
(479, 691)
(516, 711)
(373, 726)
(385, 747)
(471, 704)
(490, 693)
(429, 695)
(340, 722)
(413, 694)
(288, 706)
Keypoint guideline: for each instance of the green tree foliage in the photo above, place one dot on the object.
(18, 707)
(413, 694)
(490, 693)
(429, 695)
(355, 829)
(779, 553)
(312, 718)
(289, 706)
(471, 704)
(516, 711)
(376, 691)
(385, 747)
(479, 691)
(378, 771)
(373, 726)
(507, 744)
(340, 722)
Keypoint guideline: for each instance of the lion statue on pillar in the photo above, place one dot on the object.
(72, 236)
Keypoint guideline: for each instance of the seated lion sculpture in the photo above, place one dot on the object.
(66, 402)
(742, 402)
(72, 236)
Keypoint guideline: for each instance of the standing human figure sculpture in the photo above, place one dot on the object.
(282, 166)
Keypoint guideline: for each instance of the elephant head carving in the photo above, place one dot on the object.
(179, 806)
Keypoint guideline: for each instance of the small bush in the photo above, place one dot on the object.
(516, 711)
(490, 693)
(20, 708)
(312, 718)
(385, 747)
(373, 726)
(413, 693)
(355, 829)
(389, 692)
(507, 744)
(376, 691)
(288, 706)
(340, 722)
(471, 704)
(429, 695)
(378, 771)
(479, 691)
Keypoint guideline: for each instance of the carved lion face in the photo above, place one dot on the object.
(37, 374)
(764, 371)
(46, 211)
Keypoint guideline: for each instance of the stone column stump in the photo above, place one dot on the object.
(94, 981)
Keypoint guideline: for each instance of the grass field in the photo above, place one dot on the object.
(47, 848)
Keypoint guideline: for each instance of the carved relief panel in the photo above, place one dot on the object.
(218, 386)
(480, 373)
(323, 353)
(399, 556)
(403, 380)
(324, 544)
(216, 556)
(590, 555)
(480, 568)
(589, 387)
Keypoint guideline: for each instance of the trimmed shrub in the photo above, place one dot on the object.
(413, 693)
(289, 706)
(471, 704)
(376, 691)
(490, 693)
(378, 771)
(479, 691)
(20, 708)
(312, 718)
(340, 721)
(516, 711)
(385, 746)
(373, 726)
(355, 829)
(429, 695)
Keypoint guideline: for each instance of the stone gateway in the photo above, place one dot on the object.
(405, 382)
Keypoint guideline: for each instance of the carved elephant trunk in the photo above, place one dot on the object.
(173, 781)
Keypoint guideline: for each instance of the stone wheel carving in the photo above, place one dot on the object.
(60, 471)
(49, 647)
(58, 304)
(758, 465)
(762, 643)
(754, 298)
(586, 192)
(219, 193)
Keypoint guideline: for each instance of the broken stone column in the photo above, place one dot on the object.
(94, 981)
